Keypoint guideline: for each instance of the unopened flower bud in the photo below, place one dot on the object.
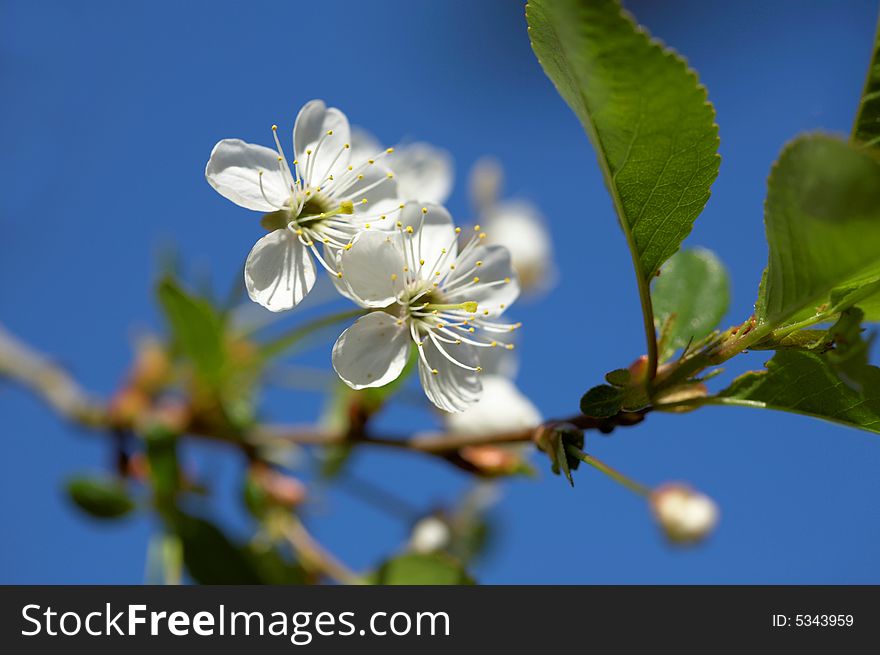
(429, 535)
(682, 394)
(152, 367)
(492, 460)
(686, 516)
(280, 489)
(127, 405)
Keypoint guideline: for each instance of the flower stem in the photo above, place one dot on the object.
(614, 474)
(280, 344)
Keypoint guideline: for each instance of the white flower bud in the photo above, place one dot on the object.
(686, 515)
(429, 534)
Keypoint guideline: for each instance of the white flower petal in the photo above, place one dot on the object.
(329, 156)
(501, 408)
(234, 171)
(382, 197)
(495, 268)
(373, 268)
(519, 227)
(423, 172)
(279, 272)
(372, 352)
(452, 388)
(433, 233)
(364, 145)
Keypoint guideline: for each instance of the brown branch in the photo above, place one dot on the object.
(36, 372)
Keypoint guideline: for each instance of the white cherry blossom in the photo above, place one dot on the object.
(423, 171)
(686, 515)
(518, 225)
(443, 300)
(318, 199)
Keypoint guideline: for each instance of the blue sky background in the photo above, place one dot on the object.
(109, 113)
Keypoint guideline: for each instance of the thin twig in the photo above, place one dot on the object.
(53, 384)
(314, 554)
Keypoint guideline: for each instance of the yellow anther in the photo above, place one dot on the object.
(400, 206)
(393, 277)
(458, 230)
(485, 312)
(482, 235)
(390, 150)
(476, 279)
(383, 217)
(367, 226)
(471, 330)
(399, 322)
(424, 210)
(330, 178)
(360, 177)
(476, 228)
(435, 371)
(390, 176)
(479, 263)
(339, 275)
(347, 246)
(274, 128)
(493, 344)
(299, 232)
(308, 152)
(452, 267)
(329, 132)
(458, 342)
(399, 224)
(406, 269)
(350, 168)
(440, 326)
(296, 162)
(436, 273)
(364, 201)
(371, 161)
(347, 146)
(509, 346)
(422, 262)
(507, 279)
(436, 285)
(409, 229)
(502, 306)
(479, 369)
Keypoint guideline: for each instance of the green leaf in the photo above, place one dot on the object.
(209, 555)
(823, 228)
(866, 130)
(197, 329)
(161, 450)
(602, 401)
(807, 383)
(691, 297)
(100, 496)
(645, 112)
(421, 569)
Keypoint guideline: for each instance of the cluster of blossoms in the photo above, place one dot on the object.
(373, 219)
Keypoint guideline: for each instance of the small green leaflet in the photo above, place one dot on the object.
(421, 569)
(197, 329)
(101, 496)
(807, 383)
(690, 298)
(823, 229)
(645, 112)
(866, 130)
